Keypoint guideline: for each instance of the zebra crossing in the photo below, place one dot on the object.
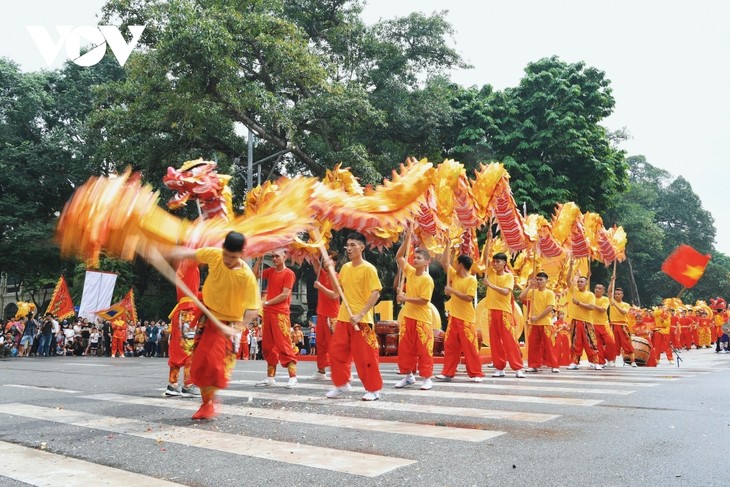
(372, 440)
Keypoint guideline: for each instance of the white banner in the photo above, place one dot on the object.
(97, 295)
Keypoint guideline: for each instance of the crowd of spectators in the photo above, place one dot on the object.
(45, 336)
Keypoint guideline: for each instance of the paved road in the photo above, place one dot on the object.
(85, 421)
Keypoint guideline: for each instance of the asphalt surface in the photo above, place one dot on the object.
(623, 426)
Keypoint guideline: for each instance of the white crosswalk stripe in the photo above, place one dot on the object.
(567, 401)
(395, 406)
(37, 467)
(394, 427)
(355, 463)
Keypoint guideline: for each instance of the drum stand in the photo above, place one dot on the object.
(676, 352)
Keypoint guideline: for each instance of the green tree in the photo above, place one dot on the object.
(547, 132)
(305, 76)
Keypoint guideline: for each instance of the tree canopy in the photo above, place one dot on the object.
(310, 78)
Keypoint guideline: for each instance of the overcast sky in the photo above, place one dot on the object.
(668, 62)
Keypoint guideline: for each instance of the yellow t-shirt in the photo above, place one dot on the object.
(601, 317)
(575, 311)
(496, 300)
(616, 315)
(539, 300)
(358, 283)
(228, 293)
(458, 308)
(417, 287)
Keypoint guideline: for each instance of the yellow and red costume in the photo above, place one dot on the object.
(461, 335)
(605, 341)
(582, 334)
(348, 344)
(502, 343)
(227, 293)
(540, 339)
(415, 343)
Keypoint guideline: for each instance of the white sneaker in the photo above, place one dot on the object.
(338, 391)
(633, 364)
(532, 369)
(443, 378)
(191, 391)
(319, 375)
(427, 385)
(520, 374)
(573, 367)
(269, 381)
(408, 380)
(498, 373)
(477, 379)
(597, 367)
(371, 396)
(292, 383)
(611, 363)
(556, 370)
(172, 391)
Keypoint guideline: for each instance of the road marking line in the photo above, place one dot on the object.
(37, 467)
(355, 463)
(367, 424)
(42, 388)
(396, 406)
(568, 401)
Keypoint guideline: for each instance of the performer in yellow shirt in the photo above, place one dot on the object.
(619, 322)
(580, 311)
(540, 303)
(415, 344)
(231, 294)
(361, 287)
(502, 343)
(604, 334)
(461, 335)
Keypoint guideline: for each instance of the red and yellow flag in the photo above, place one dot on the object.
(685, 265)
(124, 309)
(61, 305)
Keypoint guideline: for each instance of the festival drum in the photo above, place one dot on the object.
(642, 350)
(391, 344)
(438, 342)
(386, 327)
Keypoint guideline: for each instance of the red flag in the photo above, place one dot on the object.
(685, 265)
(61, 305)
(124, 309)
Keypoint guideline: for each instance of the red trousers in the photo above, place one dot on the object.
(243, 346)
(686, 338)
(175, 373)
(659, 344)
(415, 348)
(540, 347)
(213, 357)
(562, 348)
(324, 337)
(502, 343)
(675, 337)
(362, 346)
(583, 337)
(696, 337)
(117, 346)
(622, 339)
(605, 343)
(276, 340)
(461, 338)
